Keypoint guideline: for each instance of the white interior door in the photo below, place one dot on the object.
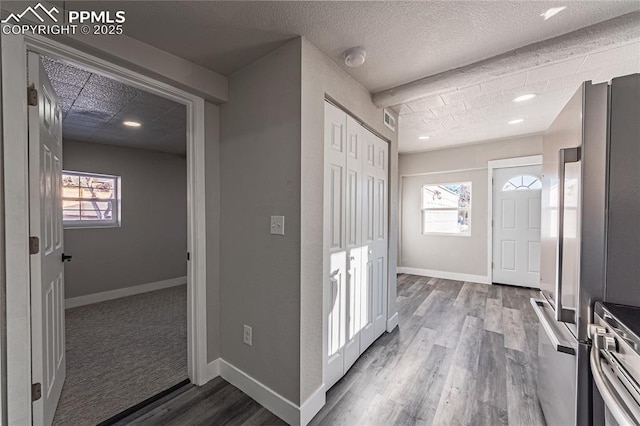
(335, 134)
(374, 240)
(355, 138)
(516, 225)
(47, 270)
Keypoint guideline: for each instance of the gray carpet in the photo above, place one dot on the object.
(121, 352)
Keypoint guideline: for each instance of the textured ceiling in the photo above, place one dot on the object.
(404, 40)
(94, 108)
(482, 111)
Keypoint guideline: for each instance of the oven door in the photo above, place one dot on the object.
(618, 389)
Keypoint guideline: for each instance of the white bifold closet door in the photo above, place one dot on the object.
(356, 178)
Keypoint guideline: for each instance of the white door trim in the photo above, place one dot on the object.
(14, 83)
(531, 160)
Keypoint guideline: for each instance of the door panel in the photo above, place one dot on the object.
(335, 199)
(47, 271)
(516, 230)
(355, 281)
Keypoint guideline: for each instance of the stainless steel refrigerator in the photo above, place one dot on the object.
(590, 238)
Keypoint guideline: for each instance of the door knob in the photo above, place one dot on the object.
(66, 257)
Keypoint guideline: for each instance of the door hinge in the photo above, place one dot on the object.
(32, 95)
(188, 256)
(36, 391)
(34, 245)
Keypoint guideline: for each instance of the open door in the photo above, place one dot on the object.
(47, 270)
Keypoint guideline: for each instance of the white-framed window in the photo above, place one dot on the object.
(446, 209)
(90, 200)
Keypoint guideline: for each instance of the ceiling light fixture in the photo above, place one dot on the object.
(354, 57)
(525, 97)
(424, 138)
(549, 13)
(516, 121)
(131, 123)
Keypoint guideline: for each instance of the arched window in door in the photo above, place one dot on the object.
(523, 182)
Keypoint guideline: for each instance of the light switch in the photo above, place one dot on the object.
(277, 225)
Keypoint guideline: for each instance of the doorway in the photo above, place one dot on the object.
(124, 235)
(516, 214)
(31, 371)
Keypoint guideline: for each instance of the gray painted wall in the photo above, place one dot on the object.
(448, 253)
(151, 244)
(260, 177)
(320, 77)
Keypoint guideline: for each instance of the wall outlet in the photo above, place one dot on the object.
(248, 335)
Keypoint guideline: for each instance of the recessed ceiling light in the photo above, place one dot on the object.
(525, 97)
(424, 137)
(516, 121)
(131, 123)
(552, 12)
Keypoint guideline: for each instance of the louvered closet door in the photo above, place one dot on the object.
(355, 138)
(374, 239)
(334, 198)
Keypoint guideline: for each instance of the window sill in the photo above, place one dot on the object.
(96, 226)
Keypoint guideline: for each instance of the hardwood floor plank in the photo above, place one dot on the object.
(423, 394)
(493, 315)
(404, 372)
(468, 349)
(522, 400)
(492, 371)
(514, 334)
(456, 406)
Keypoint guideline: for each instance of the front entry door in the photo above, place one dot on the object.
(47, 272)
(516, 225)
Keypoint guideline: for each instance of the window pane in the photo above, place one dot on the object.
(89, 198)
(97, 209)
(522, 183)
(70, 214)
(446, 195)
(446, 221)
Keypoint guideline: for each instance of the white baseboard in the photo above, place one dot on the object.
(312, 405)
(481, 279)
(213, 370)
(263, 395)
(122, 292)
(392, 322)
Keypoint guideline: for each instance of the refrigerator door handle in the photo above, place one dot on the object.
(560, 344)
(565, 155)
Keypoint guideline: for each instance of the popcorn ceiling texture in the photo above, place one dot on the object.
(94, 107)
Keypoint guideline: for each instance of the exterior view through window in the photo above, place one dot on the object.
(446, 209)
(90, 200)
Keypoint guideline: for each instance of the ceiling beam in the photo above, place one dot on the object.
(622, 30)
